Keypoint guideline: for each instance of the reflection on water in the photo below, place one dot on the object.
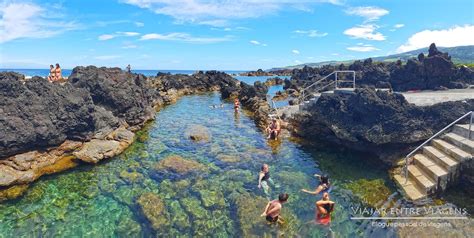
(205, 189)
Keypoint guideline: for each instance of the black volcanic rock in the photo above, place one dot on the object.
(126, 95)
(374, 121)
(431, 72)
(198, 82)
(37, 114)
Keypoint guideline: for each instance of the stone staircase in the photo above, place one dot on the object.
(437, 164)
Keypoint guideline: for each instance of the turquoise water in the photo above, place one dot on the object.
(218, 199)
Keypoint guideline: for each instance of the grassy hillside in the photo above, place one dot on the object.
(459, 55)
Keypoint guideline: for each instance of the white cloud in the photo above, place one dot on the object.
(107, 57)
(296, 52)
(139, 24)
(369, 13)
(117, 34)
(455, 36)
(399, 25)
(184, 37)
(335, 54)
(362, 48)
(28, 20)
(131, 46)
(254, 42)
(298, 62)
(128, 33)
(367, 32)
(311, 33)
(219, 12)
(106, 37)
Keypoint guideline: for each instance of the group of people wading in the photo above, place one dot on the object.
(55, 74)
(324, 207)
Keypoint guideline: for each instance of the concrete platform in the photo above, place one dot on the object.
(426, 98)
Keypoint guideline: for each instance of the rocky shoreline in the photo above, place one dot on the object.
(51, 127)
(434, 71)
(379, 122)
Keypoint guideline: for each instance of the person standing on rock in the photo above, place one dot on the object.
(128, 68)
(52, 74)
(58, 73)
(273, 209)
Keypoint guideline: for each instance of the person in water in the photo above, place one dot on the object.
(273, 129)
(58, 73)
(236, 104)
(273, 209)
(324, 208)
(324, 185)
(52, 74)
(264, 180)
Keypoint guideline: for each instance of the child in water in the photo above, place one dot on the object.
(264, 180)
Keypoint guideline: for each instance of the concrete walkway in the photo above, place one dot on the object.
(426, 98)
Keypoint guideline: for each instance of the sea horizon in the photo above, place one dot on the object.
(43, 72)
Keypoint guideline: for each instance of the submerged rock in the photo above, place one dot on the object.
(370, 191)
(154, 210)
(177, 164)
(249, 209)
(198, 133)
(12, 192)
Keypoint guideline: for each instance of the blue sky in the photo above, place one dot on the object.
(223, 34)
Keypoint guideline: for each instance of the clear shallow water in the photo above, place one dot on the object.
(220, 201)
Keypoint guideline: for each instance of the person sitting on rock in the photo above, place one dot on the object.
(264, 180)
(58, 73)
(273, 129)
(324, 185)
(324, 208)
(236, 104)
(273, 209)
(52, 74)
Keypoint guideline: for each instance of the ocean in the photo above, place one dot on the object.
(67, 72)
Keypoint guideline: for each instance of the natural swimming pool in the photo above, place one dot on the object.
(218, 198)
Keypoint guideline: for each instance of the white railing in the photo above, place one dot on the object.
(304, 92)
(407, 158)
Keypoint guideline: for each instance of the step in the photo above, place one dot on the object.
(463, 130)
(461, 142)
(409, 188)
(452, 150)
(440, 158)
(434, 171)
(421, 180)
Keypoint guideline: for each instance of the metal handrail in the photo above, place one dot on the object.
(302, 98)
(434, 136)
(325, 86)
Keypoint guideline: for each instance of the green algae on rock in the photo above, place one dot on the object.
(177, 164)
(13, 192)
(154, 209)
(369, 191)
